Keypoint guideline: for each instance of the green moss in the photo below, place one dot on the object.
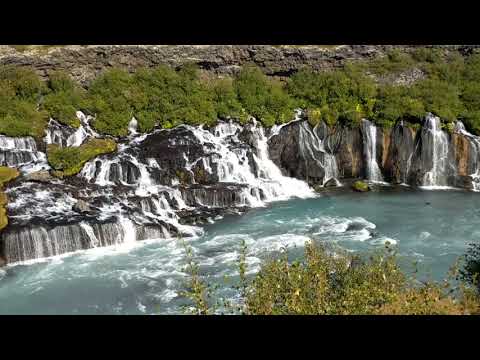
(182, 176)
(360, 186)
(69, 161)
(6, 174)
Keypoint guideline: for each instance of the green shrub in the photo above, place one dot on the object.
(64, 100)
(323, 283)
(20, 118)
(25, 82)
(262, 97)
(68, 161)
(471, 269)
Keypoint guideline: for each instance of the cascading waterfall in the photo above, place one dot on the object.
(63, 135)
(311, 146)
(21, 153)
(234, 167)
(370, 151)
(144, 208)
(435, 147)
(475, 151)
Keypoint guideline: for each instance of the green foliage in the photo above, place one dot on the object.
(262, 97)
(395, 61)
(24, 81)
(346, 96)
(395, 103)
(197, 290)
(69, 161)
(7, 174)
(439, 97)
(64, 100)
(225, 100)
(20, 91)
(344, 284)
(167, 97)
(20, 117)
(471, 269)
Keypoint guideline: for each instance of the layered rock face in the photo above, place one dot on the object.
(84, 63)
(169, 182)
(427, 157)
(158, 185)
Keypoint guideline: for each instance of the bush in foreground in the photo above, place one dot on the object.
(324, 283)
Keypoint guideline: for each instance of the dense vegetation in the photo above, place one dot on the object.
(69, 161)
(438, 81)
(324, 284)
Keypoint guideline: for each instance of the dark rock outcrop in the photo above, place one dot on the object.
(85, 62)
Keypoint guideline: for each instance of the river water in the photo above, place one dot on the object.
(432, 228)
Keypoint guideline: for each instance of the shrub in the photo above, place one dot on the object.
(471, 269)
(327, 283)
(20, 118)
(263, 98)
(25, 82)
(64, 100)
(69, 161)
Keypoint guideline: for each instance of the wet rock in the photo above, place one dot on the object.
(331, 183)
(82, 206)
(39, 176)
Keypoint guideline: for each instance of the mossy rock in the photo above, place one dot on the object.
(69, 161)
(360, 186)
(3, 218)
(3, 211)
(7, 174)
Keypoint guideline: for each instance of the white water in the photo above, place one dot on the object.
(275, 129)
(312, 146)
(233, 166)
(370, 151)
(475, 150)
(21, 153)
(438, 143)
(63, 135)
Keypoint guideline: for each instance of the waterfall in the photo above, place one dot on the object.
(434, 147)
(132, 127)
(313, 147)
(370, 151)
(233, 166)
(21, 153)
(64, 135)
(126, 193)
(475, 150)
